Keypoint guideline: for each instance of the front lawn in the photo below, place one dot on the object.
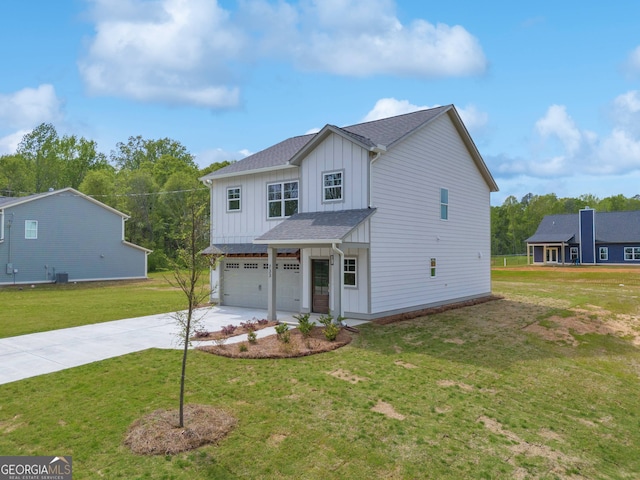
(52, 306)
(542, 384)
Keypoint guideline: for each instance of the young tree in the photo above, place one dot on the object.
(189, 267)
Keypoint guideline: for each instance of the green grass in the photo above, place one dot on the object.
(508, 260)
(51, 306)
(482, 398)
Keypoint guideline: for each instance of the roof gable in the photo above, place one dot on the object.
(377, 135)
(8, 202)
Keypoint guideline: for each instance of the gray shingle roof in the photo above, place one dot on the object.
(241, 249)
(317, 226)
(611, 227)
(386, 132)
(8, 201)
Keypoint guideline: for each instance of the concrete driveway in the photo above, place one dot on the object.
(39, 353)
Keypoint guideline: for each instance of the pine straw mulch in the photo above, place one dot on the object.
(158, 433)
(272, 347)
(240, 330)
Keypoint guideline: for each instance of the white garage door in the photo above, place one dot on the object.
(245, 284)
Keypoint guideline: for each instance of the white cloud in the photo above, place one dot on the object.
(173, 51)
(566, 150)
(193, 51)
(30, 107)
(9, 144)
(364, 37)
(473, 118)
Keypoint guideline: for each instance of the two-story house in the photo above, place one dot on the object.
(370, 220)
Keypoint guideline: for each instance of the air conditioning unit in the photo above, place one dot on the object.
(62, 277)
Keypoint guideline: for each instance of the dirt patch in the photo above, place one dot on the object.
(522, 447)
(457, 341)
(400, 363)
(387, 409)
(346, 376)
(276, 439)
(589, 319)
(451, 383)
(158, 433)
(272, 347)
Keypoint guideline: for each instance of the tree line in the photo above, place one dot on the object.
(150, 180)
(514, 221)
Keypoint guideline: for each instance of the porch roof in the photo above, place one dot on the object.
(244, 249)
(315, 227)
(550, 238)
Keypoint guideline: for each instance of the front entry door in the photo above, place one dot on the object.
(320, 286)
(552, 255)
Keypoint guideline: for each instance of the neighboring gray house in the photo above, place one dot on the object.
(64, 235)
(369, 220)
(587, 237)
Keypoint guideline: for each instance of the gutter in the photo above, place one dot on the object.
(378, 150)
(340, 253)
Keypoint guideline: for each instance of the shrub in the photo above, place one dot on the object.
(243, 347)
(249, 326)
(263, 321)
(252, 337)
(228, 330)
(282, 330)
(304, 324)
(331, 329)
(201, 334)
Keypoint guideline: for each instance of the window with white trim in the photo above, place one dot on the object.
(350, 272)
(631, 253)
(444, 204)
(282, 199)
(30, 229)
(233, 199)
(332, 186)
(574, 253)
(432, 267)
(603, 253)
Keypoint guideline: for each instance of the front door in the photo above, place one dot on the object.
(320, 286)
(552, 255)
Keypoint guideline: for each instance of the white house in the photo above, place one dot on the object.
(367, 221)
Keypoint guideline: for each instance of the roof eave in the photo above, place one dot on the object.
(308, 241)
(471, 146)
(246, 172)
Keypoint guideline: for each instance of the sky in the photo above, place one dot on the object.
(549, 91)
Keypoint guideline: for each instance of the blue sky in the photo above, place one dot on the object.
(550, 91)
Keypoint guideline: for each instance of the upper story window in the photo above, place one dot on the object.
(31, 229)
(332, 186)
(282, 199)
(444, 203)
(233, 199)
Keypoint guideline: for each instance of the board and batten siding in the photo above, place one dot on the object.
(406, 231)
(251, 221)
(335, 154)
(75, 236)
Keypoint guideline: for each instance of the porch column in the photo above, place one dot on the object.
(272, 255)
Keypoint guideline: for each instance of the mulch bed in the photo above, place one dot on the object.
(158, 433)
(273, 347)
(217, 335)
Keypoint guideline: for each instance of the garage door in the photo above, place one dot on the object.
(245, 284)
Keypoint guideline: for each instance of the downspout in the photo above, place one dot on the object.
(341, 276)
(378, 150)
